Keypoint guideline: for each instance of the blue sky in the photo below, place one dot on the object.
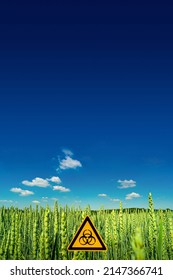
(86, 105)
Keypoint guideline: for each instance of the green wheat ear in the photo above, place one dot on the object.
(138, 245)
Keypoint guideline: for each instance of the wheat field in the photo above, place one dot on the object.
(45, 233)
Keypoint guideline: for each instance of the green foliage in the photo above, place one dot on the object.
(45, 233)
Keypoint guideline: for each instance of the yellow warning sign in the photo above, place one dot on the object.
(87, 238)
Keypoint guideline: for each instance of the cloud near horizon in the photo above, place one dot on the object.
(21, 191)
(102, 194)
(61, 189)
(132, 195)
(125, 184)
(37, 182)
(36, 201)
(115, 199)
(54, 198)
(6, 201)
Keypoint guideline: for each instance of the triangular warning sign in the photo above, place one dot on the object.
(87, 238)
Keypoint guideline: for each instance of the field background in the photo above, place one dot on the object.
(45, 233)
(86, 118)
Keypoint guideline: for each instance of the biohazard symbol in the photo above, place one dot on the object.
(87, 238)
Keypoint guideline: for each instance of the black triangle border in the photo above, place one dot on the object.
(70, 247)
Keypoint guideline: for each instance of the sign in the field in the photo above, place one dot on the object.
(87, 238)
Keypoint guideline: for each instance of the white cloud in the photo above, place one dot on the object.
(36, 201)
(61, 189)
(16, 190)
(37, 182)
(114, 199)
(77, 201)
(132, 195)
(26, 193)
(44, 199)
(21, 191)
(125, 184)
(6, 201)
(54, 179)
(67, 152)
(69, 163)
(54, 198)
(102, 194)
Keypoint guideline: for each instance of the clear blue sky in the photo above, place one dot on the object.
(86, 105)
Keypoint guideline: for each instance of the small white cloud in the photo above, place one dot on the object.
(44, 197)
(61, 189)
(37, 182)
(125, 184)
(21, 191)
(54, 198)
(16, 190)
(69, 163)
(114, 199)
(55, 179)
(6, 201)
(36, 201)
(132, 195)
(26, 193)
(77, 201)
(102, 194)
(67, 152)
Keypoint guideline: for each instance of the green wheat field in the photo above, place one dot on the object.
(44, 233)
